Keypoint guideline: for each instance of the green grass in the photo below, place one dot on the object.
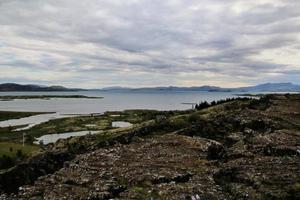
(7, 133)
(10, 149)
(12, 153)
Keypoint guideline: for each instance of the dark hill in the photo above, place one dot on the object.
(13, 87)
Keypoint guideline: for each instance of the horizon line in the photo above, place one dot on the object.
(148, 87)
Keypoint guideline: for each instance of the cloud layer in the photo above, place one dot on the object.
(100, 43)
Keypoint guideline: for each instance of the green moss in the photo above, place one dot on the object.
(146, 193)
(139, 190)
(294, 192)
(296, 187)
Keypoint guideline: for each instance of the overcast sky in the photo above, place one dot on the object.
(99, 43)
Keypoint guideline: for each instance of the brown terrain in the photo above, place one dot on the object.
(242, 149)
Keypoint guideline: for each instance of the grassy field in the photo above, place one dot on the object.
(10, 149)
(12, 153)
(7, 133)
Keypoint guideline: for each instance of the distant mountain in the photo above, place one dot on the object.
(267, 87)
(170, 88)
(115, 88)
(13, 87)
(271, 87)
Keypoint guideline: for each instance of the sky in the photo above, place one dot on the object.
(146, 43)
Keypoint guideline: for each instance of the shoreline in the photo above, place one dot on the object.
(14, 115)
(46, 97)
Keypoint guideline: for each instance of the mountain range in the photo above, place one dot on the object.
(13, 87)
(266, 87)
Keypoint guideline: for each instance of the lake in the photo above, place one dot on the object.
(112, 101)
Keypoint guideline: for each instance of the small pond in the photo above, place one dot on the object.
(52, 138)
(31, 121)
(121, 124)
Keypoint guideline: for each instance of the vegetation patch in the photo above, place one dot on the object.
(8, 133)
(12, 153)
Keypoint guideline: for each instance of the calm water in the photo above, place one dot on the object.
(121, 124)
(112, 101)
(52, 138)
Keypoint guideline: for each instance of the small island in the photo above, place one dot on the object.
(46, 97)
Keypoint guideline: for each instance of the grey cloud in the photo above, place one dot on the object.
(269, 13)
(148, 37)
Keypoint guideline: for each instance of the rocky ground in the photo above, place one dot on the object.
(238, 150)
